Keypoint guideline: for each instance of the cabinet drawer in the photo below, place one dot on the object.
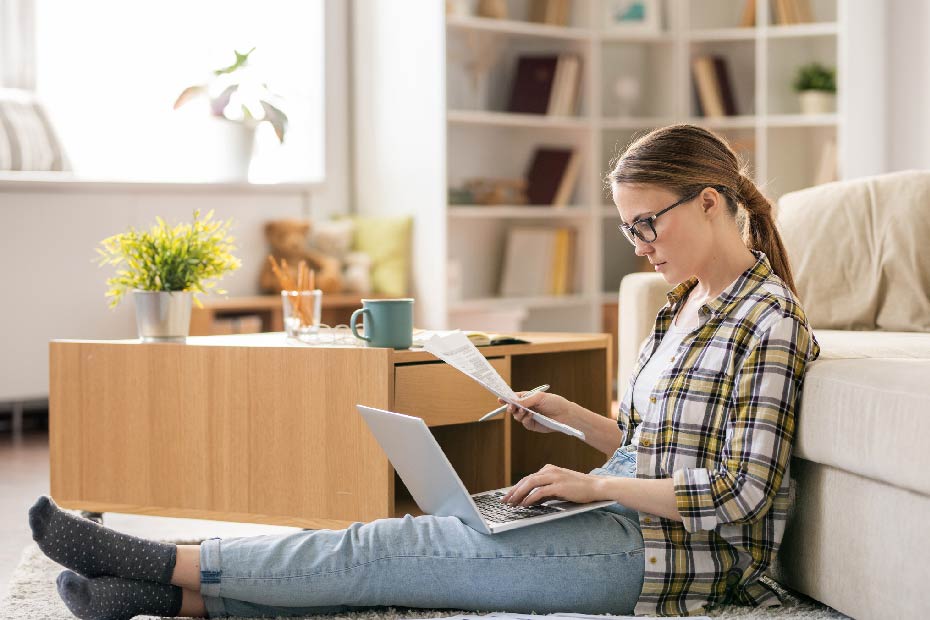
(440, 394)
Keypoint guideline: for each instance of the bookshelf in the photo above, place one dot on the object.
(431, 113)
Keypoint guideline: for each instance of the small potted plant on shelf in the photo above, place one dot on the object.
(816, 85)
(239, 101)
(165, 268)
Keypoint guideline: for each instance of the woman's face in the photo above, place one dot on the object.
(683, 234)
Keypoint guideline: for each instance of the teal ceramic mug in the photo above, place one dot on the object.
(388, 323)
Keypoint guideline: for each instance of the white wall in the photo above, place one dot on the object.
(907, 143)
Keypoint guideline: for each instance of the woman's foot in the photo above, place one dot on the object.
(112, 598)
(94, 551)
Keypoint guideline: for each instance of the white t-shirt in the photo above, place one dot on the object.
(648, 377)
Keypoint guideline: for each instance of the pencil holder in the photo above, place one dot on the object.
(301, 312)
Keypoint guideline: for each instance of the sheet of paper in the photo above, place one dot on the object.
(456, 350)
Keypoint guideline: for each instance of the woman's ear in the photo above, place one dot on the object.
(711, 201)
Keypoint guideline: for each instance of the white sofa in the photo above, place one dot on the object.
(858, 535)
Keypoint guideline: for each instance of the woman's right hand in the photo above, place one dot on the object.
(550, 405)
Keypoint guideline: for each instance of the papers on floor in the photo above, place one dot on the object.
(456, 350)
(513, 616)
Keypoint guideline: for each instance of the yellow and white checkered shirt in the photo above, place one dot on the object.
(721, 423)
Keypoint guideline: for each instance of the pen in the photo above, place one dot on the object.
(491, 414)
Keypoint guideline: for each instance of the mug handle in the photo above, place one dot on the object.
(353, 323)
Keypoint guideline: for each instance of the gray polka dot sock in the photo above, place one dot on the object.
(112, 598)
(92, 550)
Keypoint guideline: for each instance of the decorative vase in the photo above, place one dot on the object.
(163, 316)
(817, 102)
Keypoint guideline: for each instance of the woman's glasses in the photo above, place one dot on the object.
(644, 228)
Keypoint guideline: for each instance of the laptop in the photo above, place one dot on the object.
(437, 488)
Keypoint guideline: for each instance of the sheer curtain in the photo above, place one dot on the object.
(17, 44)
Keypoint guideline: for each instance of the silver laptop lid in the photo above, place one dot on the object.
(422, 465)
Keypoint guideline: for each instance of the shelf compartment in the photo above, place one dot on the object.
(483, 151)
(635, 82)
(715, 15)
(740, 58)
(786, 56)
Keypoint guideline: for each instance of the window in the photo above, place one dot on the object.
(109, 72)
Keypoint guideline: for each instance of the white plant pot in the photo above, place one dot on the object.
(163, 316)
(817, 102)
(232, 150)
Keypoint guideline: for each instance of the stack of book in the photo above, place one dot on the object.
(552, 176)
(552, 12)
(546, 85)
(538, 261)
(712, 84)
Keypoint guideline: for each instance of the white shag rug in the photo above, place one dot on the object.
(32, 596)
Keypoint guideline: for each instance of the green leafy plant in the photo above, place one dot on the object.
(236, 94)
(187, 257)
(815, 76)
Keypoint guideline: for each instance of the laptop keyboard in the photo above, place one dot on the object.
(491, 508)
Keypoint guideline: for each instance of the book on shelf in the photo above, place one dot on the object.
(563, 100)
(552, 175)
(563, 262)
(787, 12)
(538, 261)
(551, 12)
(749, 14)
(712, 84)
(546, 84)
(532, 84)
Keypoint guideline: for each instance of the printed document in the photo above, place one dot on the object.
(456, 350)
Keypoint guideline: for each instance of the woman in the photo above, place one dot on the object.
(698, 466)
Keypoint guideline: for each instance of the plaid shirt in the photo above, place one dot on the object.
(721, 424)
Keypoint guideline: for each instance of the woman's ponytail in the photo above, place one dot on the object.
(760, 232)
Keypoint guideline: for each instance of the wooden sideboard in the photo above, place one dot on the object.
(253, 428)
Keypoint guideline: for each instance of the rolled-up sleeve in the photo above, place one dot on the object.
(759, 434)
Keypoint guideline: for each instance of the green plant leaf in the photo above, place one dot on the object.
(241, 61)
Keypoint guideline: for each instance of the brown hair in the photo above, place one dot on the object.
(684, 159)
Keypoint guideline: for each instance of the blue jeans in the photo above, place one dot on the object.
(434, 562)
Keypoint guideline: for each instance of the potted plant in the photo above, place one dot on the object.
(238, 102)
(816, 85)
(165, 268)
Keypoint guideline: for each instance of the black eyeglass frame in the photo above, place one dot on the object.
(630, 230)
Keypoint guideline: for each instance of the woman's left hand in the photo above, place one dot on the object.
(553, 482)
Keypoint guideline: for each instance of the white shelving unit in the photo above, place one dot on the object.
(424, 125)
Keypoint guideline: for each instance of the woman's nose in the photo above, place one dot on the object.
(641, 248)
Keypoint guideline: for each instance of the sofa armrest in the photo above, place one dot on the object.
(641, 297)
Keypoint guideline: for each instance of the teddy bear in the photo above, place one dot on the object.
(288, 241)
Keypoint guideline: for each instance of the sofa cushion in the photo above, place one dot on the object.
(865, 407)
(857, 250)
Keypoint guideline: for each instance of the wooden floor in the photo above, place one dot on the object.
(24, 476)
